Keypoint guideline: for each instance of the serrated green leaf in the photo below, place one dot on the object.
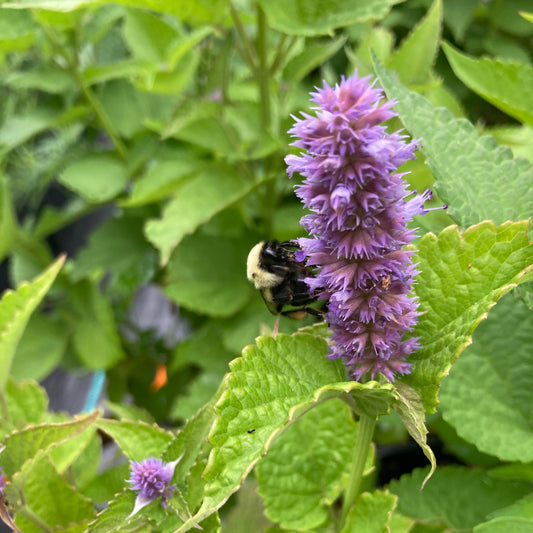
(494, 377)
(504, 84)
(17, 129)
(299, 482)
(137, 440)
(462, 276)
(415, 57)
(319, 17)
(65, 453)
(275, 382)
(95, 338)
(96, 177)
(40, 349)
(24, 445)
(16, 308)
(211, 191)
(129, 412)
(115, 516)
(17, 31)
(371, 513)
(26, 404)
(522, 508)
(52, 499)
(206, 275)
(518, 138)
(468, 168)
(442, 500)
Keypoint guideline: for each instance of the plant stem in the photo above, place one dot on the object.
(364, 441)
(264, 70)
(247, 51)
(34, 518)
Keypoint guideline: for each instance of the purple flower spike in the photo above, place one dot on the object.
(151, 478)
(359, 210)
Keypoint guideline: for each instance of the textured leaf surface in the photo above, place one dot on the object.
(506, 525)
(197, 201)
(27, 443)
(316, 17)
(477, 178)
(137, 440)
(96, 177)
(504, 84)
(277, 380)
(462, 277)
(444, 497)
(16, 308)
(371, 513)
(48, 495)
(415, 57)
(301, 475)
(494, 377)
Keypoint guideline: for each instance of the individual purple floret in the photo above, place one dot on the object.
(3, 480)
(151, 478)
(359, 210)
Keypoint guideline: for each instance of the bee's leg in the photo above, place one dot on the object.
(276, 327)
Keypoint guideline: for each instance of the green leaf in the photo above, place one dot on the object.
(118, 248)
(518, 138)
(137, 440)
(52, 499)
(26, 404)
(40, 349)
(410, 409)
(211, 191)
(275, 381)
(206, 275)
(148, 37)
(209, 11)
(494, 377)
(23, 445)
(505, 525)
(462, 277)
(415, 57)
(312, 56)
(439, 502)
(8, 221)
(96, 339)
(17, 31)
(319, 17)
(458, 15)
(299, 483)
(504, 84)
(468, 169)
(163, 179)
(372, 513)
(96, 177)
(16, 308)
(43, 78)
(17, 129)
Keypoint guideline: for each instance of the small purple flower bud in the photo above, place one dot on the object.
(359, 209)
(151, 478)
(3, 480)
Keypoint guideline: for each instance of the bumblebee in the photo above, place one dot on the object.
(273, 269)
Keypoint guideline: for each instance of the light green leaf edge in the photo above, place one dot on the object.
(468, 168)
(220, 470)
(506, 85)
(137, 440)
(447, 321)
(16, 308)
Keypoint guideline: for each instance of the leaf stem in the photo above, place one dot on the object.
(34, 518)
(247, 51)
(264, 70)
(364, 441)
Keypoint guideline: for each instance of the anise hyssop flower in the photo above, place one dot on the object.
(358, 213)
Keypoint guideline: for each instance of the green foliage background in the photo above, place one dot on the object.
(167, 120)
